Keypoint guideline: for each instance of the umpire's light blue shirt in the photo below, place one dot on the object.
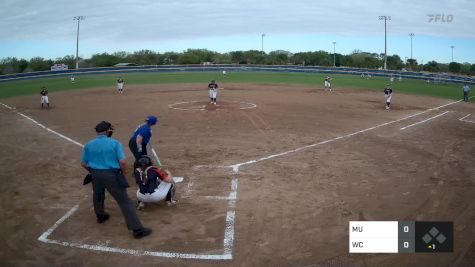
(103, 153)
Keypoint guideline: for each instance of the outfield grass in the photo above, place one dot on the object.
(28, 87)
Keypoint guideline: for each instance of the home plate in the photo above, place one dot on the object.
(178, 179)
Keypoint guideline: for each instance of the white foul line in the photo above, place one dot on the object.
(426, 120)
(228, 239)
(44, 127)
(463, 119)
(235, 167)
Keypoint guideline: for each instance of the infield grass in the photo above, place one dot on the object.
(420, 87)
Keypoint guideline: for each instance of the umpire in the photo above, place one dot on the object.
(104, 158)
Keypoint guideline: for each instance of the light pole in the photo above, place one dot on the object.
(78, 18)
(412, 35)
(385, 18)
(452, 52)
(334, 65)
(262, 44)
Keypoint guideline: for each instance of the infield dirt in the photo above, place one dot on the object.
(291, 210)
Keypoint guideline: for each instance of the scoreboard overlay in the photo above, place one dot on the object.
(400, 236)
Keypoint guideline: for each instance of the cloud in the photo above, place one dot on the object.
(109, 21)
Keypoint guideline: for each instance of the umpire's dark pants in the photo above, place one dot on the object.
(116, 185)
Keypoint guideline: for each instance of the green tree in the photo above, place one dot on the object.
(40, 64)
(366, 60)
(22, 65)
(238, 57)
(431, 66)
(144, 57)
(196, 56)
(394, 62)
(122, 56)
(170, 58)
(412, 64)
(104, 60)
(12, 65)
(472, 69)
(455, 67)
(223, 58)
(279, 57)
(254, 57)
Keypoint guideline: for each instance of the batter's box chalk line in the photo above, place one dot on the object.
(228, 239)
(465, 120)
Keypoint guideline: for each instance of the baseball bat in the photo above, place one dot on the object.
(156, 157)
(177, 179)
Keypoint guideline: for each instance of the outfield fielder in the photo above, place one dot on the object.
(388, 92)
(120, 85)
(213, 91)
(328, 83)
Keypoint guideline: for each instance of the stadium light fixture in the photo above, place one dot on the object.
(452, 52)
(78, 18)
(385, 18)
(334, 65)
(262, 43)
(412, 36)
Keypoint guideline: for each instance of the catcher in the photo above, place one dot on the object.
(155, 184)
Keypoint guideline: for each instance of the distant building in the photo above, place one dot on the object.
(125, 64)
(59, 67)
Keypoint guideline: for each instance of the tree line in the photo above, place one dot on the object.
(357, 58)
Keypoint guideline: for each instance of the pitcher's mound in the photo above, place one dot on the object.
(204, 105)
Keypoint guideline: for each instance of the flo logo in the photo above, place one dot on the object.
(443, 18)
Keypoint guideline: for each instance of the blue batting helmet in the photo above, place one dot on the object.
(151, 120)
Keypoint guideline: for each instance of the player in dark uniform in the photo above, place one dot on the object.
(44, 97)
(388, 92)
(213, 91)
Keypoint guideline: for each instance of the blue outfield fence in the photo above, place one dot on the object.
(432, 77)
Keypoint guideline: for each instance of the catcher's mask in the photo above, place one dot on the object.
(105, 126)
(145, 161)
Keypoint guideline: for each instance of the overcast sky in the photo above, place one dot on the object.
(46, 27)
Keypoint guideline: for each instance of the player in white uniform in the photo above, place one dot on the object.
(72, 78)
(213, 91)
(328, 83)
(388, 93)
(120, 85)
(44, 97)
